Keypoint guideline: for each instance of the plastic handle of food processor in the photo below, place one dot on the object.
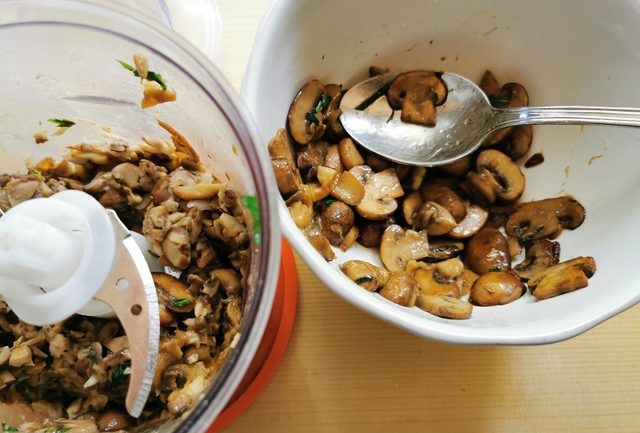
(55, 253)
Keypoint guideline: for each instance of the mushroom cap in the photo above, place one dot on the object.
(506, 173)
(365, 274)
(433, 218)
(380, 193)
(540, 255)
(496, 288)
(335, 221)
(401, 288)
(444, 306)
(404, 83)
(439, 192)
(398, 246)
(488, 251)
(544, 218)
(563, 277)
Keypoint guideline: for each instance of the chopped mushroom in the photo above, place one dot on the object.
(417, 93)
(306, 113)
(335, 222)
(433, 281)
(380, 193)
(443, 249)
(472, 223)
(302, 214)
(540, 254)
(563, 277)
(349, 153)
(433, 218)
(445, 196)
(314, 235)
(444, 306)
(174, 294)
(365, 274)
(544, 218)
(401, 288)
(349, 189)
(399, 246)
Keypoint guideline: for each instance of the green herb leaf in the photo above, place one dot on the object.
(180, 302)
(373, 98)
(118, 376)
(329, 201)
(499, 101)
(390, 118)
(321, 105)
(496, 269)
(363, 280)
(62, 123)
(251, 203)
(6, 428)
(151, 76)
(524, 239)
(128, 67)
(61, 429)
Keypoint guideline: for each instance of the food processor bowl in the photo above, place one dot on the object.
(60, 60)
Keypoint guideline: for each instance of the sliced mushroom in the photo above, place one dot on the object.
(540, 254)
(380, 193)
(437, 281)
(197, 191)
(335, 222)
(287, 177)
(328, 177)
(417, 93)
(544, 218)
(349, 153)
(310, 158)
(497, 176)
(410, 206)
(465, 281)
(488, 251)
(443, 249)
(472, 223)
(302, 214)
(370, 234)
(350, 238)
(377, 163)
(514, 95)
(442, 194)
(112, 421)
(307, 110)
(365, 274)
(563, 278)
(401, 288)
(229, 280)
(314, 235)
(457, 168)
(399, 246)
(433, 218)
(335, 131)
(332, 158)
(173, 293)
(444, 306)
(348, 189)
(176, 247)
(496, 288)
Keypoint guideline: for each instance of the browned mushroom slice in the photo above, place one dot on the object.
(302, 214)
(417, 177)
(173, 293)
(443, 249)
(563, 278)
(350, 238)
(328, 177)
(471, 224)
(444, 306)
(410, 207)
(540, 254)
(348, 189)
(457, 168)
(418, 108)
(335, 131)
(287, 176)
(442, 194)
(497, 176)
(399, 246)
(377, 163)
(314, 235)
(439, 279)
(280, 147)
(336, 220)
(433, 218)
(365, 274)
(465, 281)
(401, 288)
(380, 193)
(518, 143)
(332, 159)
(496, 288)
(487, 251)
(310, 158)
(403, 83)
(307, 110)
(544, 218)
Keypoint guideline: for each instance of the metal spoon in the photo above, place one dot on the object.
(463, 122)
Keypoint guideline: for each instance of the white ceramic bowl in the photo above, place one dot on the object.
(568, 52)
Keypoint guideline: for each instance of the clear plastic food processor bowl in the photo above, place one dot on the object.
(59, 60)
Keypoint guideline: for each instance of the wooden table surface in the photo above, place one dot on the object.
(345, 371)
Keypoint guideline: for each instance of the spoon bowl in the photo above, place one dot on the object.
(463, 122)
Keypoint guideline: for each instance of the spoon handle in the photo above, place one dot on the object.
(568, 115)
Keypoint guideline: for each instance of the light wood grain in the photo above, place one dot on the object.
(345, 371)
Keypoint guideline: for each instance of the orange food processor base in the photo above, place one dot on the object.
(273, 345)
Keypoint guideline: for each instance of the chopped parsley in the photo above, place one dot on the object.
(496, 269)
(526, 238)
(118, 376)
(373, 98)
(62, 123)
(499, 101)
(180, 302)
(321, 105)
(363, 280)
(390, 118)
(329, 201)
(6, 428)
(151, 76)
(61, 429)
